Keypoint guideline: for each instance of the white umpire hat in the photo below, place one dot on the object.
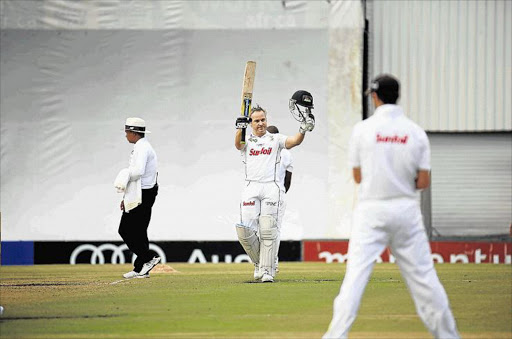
(135, 125)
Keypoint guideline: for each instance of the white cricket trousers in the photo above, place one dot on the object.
(396, 223)
(260, 198)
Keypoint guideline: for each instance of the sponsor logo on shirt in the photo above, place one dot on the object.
(249, 203)
(392, 139)
(265, 151)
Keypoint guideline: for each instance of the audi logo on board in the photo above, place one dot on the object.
(118, 257)
(116, 252)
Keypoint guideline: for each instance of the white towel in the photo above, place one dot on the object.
(122, 180)
(132, 190)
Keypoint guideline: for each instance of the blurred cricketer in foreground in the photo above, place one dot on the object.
(390, 159)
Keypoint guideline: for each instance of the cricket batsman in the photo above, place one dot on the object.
(261, 197)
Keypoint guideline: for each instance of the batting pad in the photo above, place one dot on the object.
(249, 241)
(268, 250)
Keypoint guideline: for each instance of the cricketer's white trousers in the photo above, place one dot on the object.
(260, 198)
(398, 224)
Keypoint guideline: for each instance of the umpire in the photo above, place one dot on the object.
(134, 223)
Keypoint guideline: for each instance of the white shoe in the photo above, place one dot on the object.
(139, 276)
(257, 273)
(149, 265)
(130, 275)
(267, 277)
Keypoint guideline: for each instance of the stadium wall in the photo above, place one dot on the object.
(73, 71)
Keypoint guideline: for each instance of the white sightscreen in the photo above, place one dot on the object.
(72, 72)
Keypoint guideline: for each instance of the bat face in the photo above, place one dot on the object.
(250, 72)
(247, 87)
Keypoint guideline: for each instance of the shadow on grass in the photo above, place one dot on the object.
(292, 281)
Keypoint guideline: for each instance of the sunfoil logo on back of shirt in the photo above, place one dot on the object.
(392, 139)
(265, 151)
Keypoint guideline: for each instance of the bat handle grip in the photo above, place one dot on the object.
(242, 140)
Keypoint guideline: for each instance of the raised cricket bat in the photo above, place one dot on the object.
(250, 71)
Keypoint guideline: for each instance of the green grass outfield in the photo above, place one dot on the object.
(222, 301)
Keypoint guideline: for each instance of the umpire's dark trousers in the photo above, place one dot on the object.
(134, 227)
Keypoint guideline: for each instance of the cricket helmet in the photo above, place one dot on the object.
(302, 98)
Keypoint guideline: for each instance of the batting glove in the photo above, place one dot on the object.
(308, 124)
(242, 122)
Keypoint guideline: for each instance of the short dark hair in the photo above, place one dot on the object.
(257, 108)
(388, 98)
(387, 88)
(272, 129)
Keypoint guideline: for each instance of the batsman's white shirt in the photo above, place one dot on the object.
(143, 164)
(261, 156)
(390, 149)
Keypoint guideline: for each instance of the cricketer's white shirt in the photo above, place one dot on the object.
(285, 164)
(261, 156)
(390, 149)
(143, 164)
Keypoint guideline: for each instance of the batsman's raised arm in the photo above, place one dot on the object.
(238, 139)
(306, 118)
(240, 124)
(294, 140)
